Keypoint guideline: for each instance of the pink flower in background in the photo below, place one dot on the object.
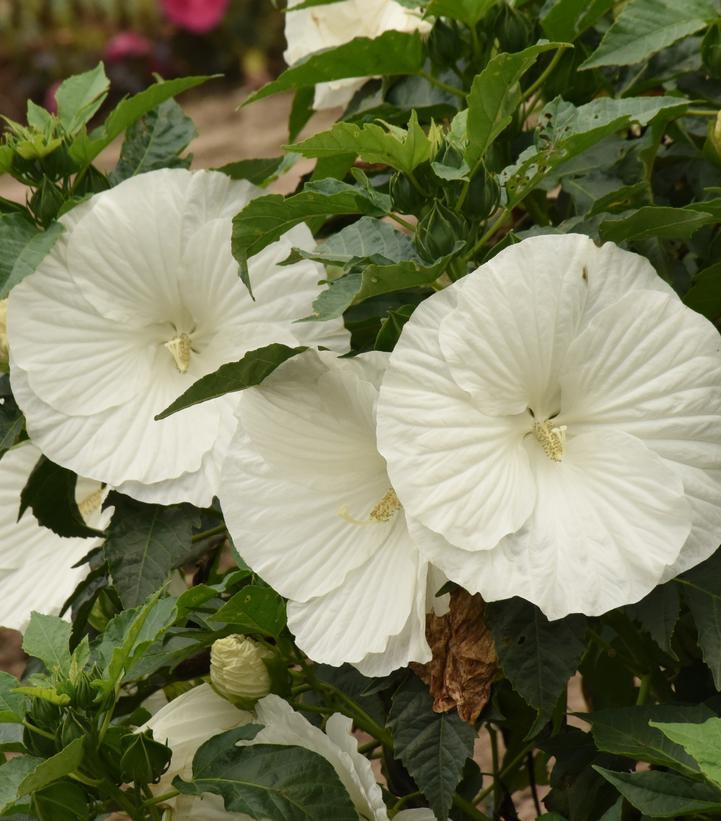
(127, 44)
(198, 16)
(50, 102)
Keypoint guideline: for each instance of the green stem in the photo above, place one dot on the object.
(434, 81)
(469, 809)
(84, 779)
(369, 746)
(643, 690)
(159, 799)
(401, 802)
(544, 74)
(361, 718)
(404, 223)
(207, 534)
(701, 112)
(494, 759)
(414, 182)
(34, 729)
(514, 762)
(499, 223)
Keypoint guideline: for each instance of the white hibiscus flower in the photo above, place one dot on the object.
(322, 27)
(553, 422)
(138, 299)
(196, 716)
(308, 502)
(36, 565)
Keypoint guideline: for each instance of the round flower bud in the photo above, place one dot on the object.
(238, 671)
(438, 231)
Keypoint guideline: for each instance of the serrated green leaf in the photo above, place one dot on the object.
(254, 609)
(394, 52)
(252, 369)
(12, 704)
(704, 295)
(644, 27)
(144, 544)
(663, 795)
(155, 141)
(261, 171)
(12, 773)
(495, 96)
(568, 19)
(654, 221)
(48, 639)
(63, 801)
(538, 656)
(49, 694)
(702, 592)
(285, 783)
(53, 768)
(432, 746)
(625, 731)
(50, 493)
(80, 96)
(658, 614)
(702, 743)
(22, 247)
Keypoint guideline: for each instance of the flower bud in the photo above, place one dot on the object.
(238, 671)
(405, 198)
(438, 232)
(482, 198)
(444, 43)
(513, 30)
(4, 350)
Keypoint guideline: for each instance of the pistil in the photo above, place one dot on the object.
(179, 348)
(551, 439)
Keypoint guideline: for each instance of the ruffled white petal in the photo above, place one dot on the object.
(36, 565)
(608, 520)
(458, 471)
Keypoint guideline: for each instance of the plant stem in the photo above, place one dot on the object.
(701, 112)
(469, 809)
(434, 81)
(207, 534)
(401, 802)
(544, 74)
(500, 222)
(159, 799)
(494, 759)
(37, 730)
(643, 690)
(404, 223)
(515, 761)
(361, 718)
(369, 746)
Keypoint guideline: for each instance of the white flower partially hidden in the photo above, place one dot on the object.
(308, 502)
(198, 715)
(138, 299)
(553, 422)
(328, 26)
(36, 565)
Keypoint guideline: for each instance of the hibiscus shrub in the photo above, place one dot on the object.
(424, 454)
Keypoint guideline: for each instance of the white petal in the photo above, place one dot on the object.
(607, 521)
(371, 605)
(36, 565)
(284, 726)
(460, 472)
(651, 367)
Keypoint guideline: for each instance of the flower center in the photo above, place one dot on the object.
(179, 348)
(91, 503)
(551, 439)
(382, 512)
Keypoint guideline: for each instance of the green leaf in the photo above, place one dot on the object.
(80, 96)
(49, 694)
(467, 11)
(702, 593)
(391, 326)
(259, 172)
(392, 53)
(155, 141)
(53, 768)
(269, 781)
(432, 746)
(12, 773)
(654, 221)
(568, 19)
(658, 614)
(266, 219)
(48, 639)
(50, 493)
(11, 424)
(701, 741)
(538, 656)
(644, 27)
(63, 801)
(625, 731)
(663, 795)
(144, 543)
(35, 250)
(704, 295)
(254, 609)
(495, 96)
(403, 150)
(252, 369)
(12, 704)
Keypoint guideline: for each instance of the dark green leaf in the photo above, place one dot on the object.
(467, 11)
(663, 795)
(11, 424)
(704, 295)
(48, 639)
(63, 801)
(155, 141)
(144, 543)
(80, 96)
(269, 781)
(646, 26)
(394, 52)
(50, 494)
(568, 19)
(254, 609)
(53, 768)
(658, 614)
(16, 231)
(251, 370)
(391, 327)
(654, 221)
(259, 172)
(538, 656)
(432, 746)
(26, 251)
(702, 592)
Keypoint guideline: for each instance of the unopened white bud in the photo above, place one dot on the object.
(237, 670)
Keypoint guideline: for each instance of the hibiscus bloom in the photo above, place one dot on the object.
(196, 716)
(138, 299)
(308, 502)
(36, 568)
(328, 26)
(552, 422)
(198, 16)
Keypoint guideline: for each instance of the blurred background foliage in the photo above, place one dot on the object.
(44, 41)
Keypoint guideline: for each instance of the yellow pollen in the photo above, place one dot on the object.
(552, 440)
(382, 512)
(179, 349)
(91, 503)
